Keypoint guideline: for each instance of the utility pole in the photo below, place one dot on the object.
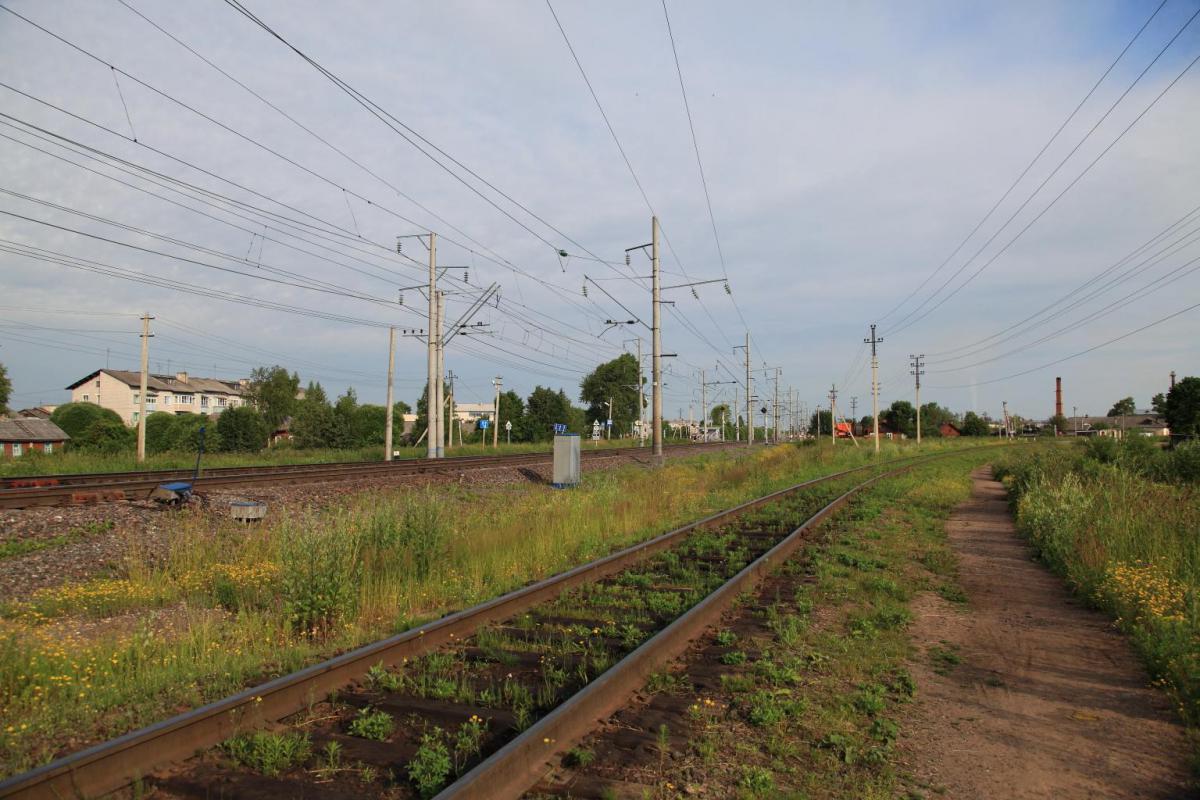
(854, 413)
(656, 345)
(496, 414)
(387, 425)
(703, 406)
(141, 431)
(737, 418)
(833, 414)
(432, 409)
(452, 419)
(775, 408)
(749, 393)
(1007, 425)
(641, 398)
(607, 427)
(441, 371)
(917, 372)
(874, 340)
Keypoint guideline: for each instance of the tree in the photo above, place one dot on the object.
(1058, 423)
(423, 414)
(1122, 408)
(273, 391)
(1159, 403)
(315, 392)
(106, 435)
(159, 427)
(974, 425)
(615, 380)
(313, 425)
(512, 409)
(242, 430)
(820, 422)
(5, 390)
(901, 416)
(185, 433)
(933, 417)
(1182, 408)
(76, 418)
(543, 410)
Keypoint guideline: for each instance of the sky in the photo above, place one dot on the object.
(852, 154)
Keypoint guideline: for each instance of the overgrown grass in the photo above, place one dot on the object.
(249, 604)
(76, 461)
(1127, 543)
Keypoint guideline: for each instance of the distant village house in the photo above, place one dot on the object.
(25, 435)
(118, 391)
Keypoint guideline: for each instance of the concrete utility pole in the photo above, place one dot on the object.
(607, 427)
(1007, 426)
(775, 408)
(387, 425)
(874, 340)
(497, 382)
(833, 414)
(703, 405)
(441, 371)
(141, 430)
(917, 372)
(656, 345)
(453, 420)
(749, 392)
(432, 409)
(854, 413)
(641, 398)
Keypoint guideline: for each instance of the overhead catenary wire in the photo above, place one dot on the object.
(911, 320)
(1053, 137)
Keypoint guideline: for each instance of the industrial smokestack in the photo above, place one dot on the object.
(1058, 397)
(1172, 379)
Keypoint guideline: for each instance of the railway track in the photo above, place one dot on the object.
(53, 490)
(482, 697)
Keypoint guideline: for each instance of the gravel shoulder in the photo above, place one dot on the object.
(1041, 698)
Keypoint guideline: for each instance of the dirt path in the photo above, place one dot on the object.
(1047, 700)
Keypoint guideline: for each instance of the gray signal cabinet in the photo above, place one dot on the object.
(566, 460)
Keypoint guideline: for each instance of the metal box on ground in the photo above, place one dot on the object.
(566, 460)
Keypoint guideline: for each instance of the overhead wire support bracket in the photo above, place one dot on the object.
(635, 317)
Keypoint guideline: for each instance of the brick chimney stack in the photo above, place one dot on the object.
(1058, 397)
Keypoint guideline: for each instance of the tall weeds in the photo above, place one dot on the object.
(1127, 543)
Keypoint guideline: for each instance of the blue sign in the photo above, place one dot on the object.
(483, 424)
(560, 427)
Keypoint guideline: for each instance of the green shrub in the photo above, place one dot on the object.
(76, 418)
(268, 753)
(241, 430)
(430, 767)
(107, 436)
(376, 725)
(320, 575)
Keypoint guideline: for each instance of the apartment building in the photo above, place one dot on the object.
(119, 390)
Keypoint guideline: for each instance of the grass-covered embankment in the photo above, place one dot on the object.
(232, 605)
(1120, 522)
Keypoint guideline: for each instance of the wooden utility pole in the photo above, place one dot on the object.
(656, 325)
(387, 425)
(496, 413)
(874, 340)
(917, 372)
(432, 409)
(145, 378)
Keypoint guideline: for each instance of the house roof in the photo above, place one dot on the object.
(36, 412)
(31, 430)
(167, 383)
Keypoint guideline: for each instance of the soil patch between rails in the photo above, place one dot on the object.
(1025, 693)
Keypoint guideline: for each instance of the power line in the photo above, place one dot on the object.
(1052, 203)
(1028, 166)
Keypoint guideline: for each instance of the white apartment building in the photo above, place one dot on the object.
(119, 390)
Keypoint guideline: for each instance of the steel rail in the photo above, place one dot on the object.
(518, 765)
(104, 487)
(112, 765)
